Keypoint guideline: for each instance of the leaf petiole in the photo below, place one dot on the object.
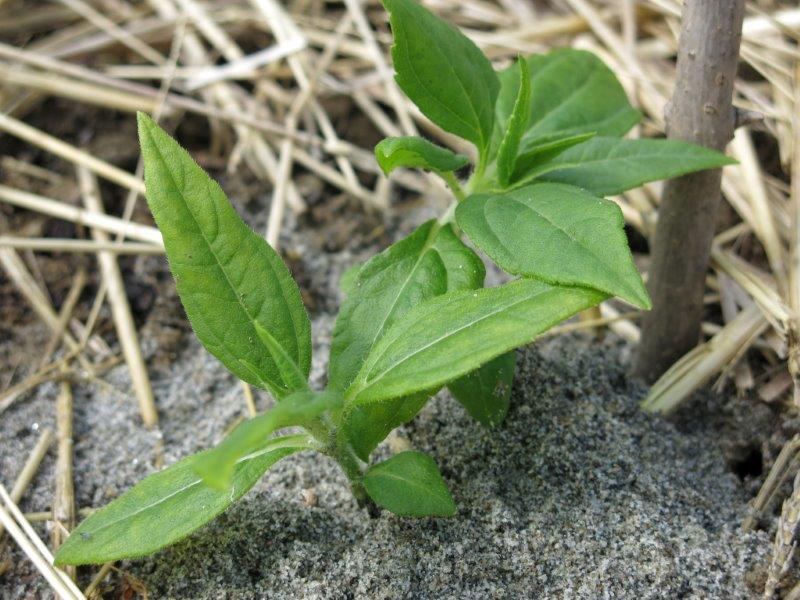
(452, 182)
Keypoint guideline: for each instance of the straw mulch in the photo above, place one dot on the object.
(264, 72)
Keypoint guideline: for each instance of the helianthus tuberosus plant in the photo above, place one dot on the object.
(547, 132)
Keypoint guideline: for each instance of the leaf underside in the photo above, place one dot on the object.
(416, 152)
(486, 392)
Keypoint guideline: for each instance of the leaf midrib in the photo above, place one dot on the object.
(410, 482)
(372, 382)
(199, 480)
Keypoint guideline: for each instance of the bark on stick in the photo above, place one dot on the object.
(700, 112)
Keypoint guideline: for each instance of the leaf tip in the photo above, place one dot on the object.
(640, 298)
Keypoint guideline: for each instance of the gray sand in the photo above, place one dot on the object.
(577, 495)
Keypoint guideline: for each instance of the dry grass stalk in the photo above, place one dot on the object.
(61, 210)
(78, 246)
(120, 308)
(64, 496)
(27, 285)
(76, 90)
(697, 367)
(47, 373)
(64, 316)
(31, 465)
(69, 152)
(92, 590)
(785, 541)
(33, 547)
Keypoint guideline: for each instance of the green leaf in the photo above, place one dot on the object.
(412, 151)
(608, 166)
(409, 484)
(572, 92)
(164, 507)
(430, 262)
(347, 281)
(516, 126)
(449, 336)
(485, 392)
(389, 284)
(368, 425)
(541, 150)
(557, 233)
(228, 277)
(465, 270)
(443, 72)
(216, 467)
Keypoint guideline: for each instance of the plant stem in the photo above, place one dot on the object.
(700, 112)
(454, 185)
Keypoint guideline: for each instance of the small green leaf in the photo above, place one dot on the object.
(216, 466)
(443, 72)
(368, 425)
(485, 392)
(572, 92)
(409, 484)
(388, 285)
(447, 337)
(416, 152)
(515, 127)
(557, 233)
(541, 150)
(228, 278)
(163, 508)
(608, 166)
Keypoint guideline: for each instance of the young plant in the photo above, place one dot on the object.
(548, 138)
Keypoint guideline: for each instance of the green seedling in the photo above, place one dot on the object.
(547, 133)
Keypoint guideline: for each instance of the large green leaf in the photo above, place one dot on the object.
(485, 392)
(572, 92)
(228, 277)
(409, 484)
(443, 72)
(430, 262)
(607, 165)
(416, 152)
(557, 233)
(536, 151)
(388, 285)
(165, 507)
(217, 466)
(515, 127)
(449, 336)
